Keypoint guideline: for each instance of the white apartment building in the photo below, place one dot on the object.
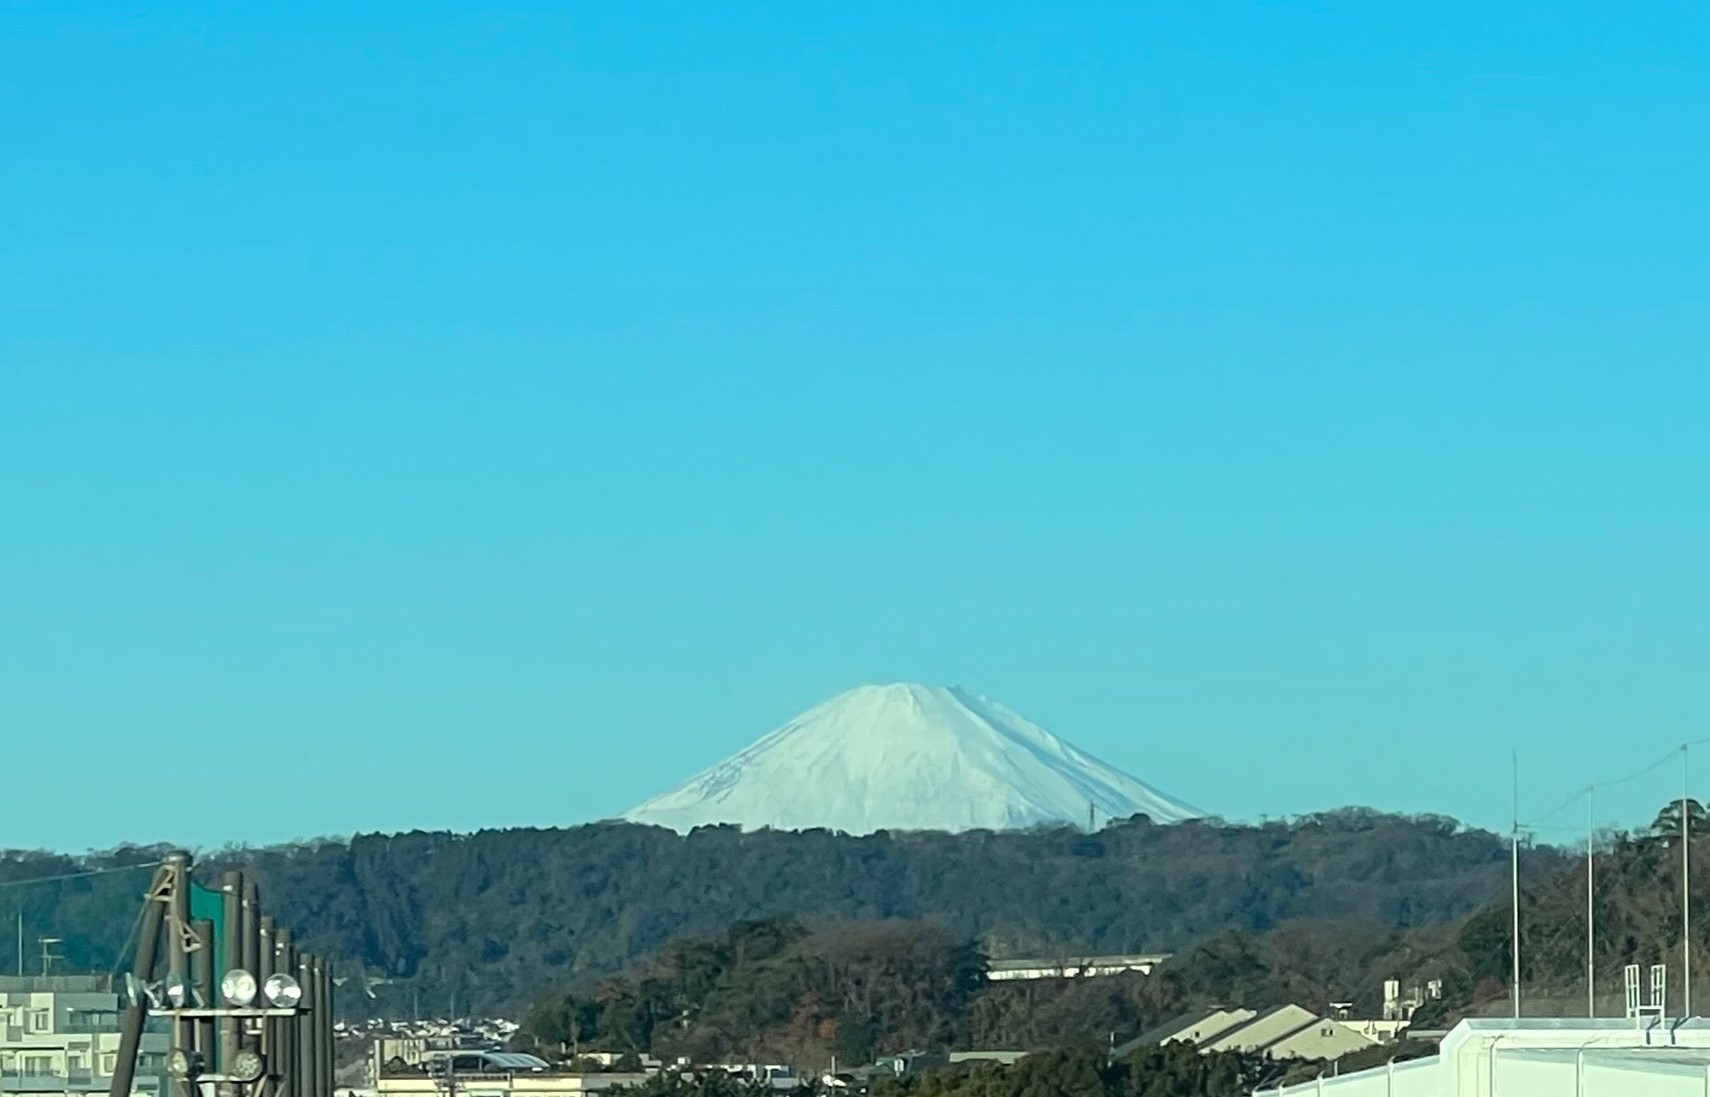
(60, 1035)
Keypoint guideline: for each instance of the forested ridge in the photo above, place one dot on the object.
(493, 920)
(780, 990)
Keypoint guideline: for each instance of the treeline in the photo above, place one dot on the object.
(459, 924)
(774, 991)
(1637, 890)
(785, 990)
(488, 921)
(778, 991)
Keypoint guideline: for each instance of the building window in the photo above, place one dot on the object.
(41, 1020)
(38, 1066)
(109, 1062)
(76, 1060)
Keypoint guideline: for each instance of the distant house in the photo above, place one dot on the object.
(1287, 1032)
(1072, 967)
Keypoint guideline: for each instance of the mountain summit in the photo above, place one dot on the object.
(907, 757)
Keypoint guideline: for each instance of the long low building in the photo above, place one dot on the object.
(1073, 967)
(1543, 1057)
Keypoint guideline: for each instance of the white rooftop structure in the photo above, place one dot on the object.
(1542, 1057)
(1075, 967)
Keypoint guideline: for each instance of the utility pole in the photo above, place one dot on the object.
(1514, 884)
(1685, 888)
(1590, 908)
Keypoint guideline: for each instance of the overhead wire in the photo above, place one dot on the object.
(80, 875)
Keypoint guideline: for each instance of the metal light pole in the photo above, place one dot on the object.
(1685, 888)
(306, 1072)
(250, 933)
(285, 961)
(1590, 907)
(177, 950)
(325, 1025)
(142, 972)
(231, 910)
(202, 967)
(249, 1009)
(1514, 884)
(263, 972)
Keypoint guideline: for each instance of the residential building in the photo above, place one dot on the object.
(60, 1035)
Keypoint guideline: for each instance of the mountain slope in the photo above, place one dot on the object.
(907, 757)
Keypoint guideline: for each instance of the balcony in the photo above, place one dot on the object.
(13, 1081)
(90, 1023)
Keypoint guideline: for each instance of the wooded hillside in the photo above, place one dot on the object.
(494, 920)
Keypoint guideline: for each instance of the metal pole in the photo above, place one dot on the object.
(305, 1037)
(329, 1066)
(251, 926)
(202, 967)
(263, 971)
(1590, 909)
(142, 970)
(1685, 889)
(177, 954)
(231, 958)
(1514, 884)
(284, 1054)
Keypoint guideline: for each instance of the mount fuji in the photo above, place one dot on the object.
(908, 757)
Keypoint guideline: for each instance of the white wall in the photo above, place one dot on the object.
(1543, 1058)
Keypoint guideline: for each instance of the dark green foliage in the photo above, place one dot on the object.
(853, 991)
(1638, 920)
(774, 990)
(487, 922)
(93, 915)
(498, 916)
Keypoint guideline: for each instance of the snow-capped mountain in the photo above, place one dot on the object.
(908, 757)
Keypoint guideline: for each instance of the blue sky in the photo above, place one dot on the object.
(518, 409)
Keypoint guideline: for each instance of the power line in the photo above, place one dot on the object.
(1599, 786)
(79, 875)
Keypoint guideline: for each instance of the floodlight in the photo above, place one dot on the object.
(282, 991)
(181, 1063)
(238, 987)
(177, 990)
(247, 1065)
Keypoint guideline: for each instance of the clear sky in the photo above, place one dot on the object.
(491, 417)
